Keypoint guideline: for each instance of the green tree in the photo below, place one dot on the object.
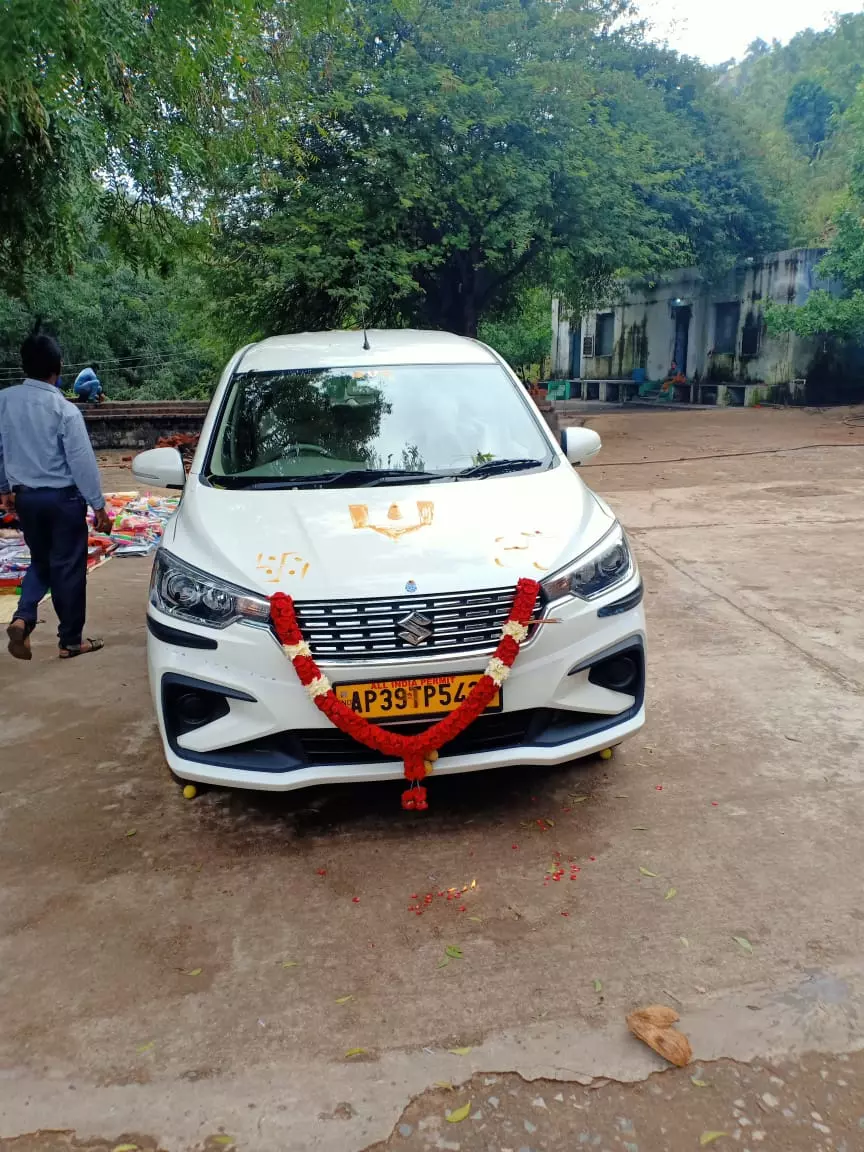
(142, 330)
(808, 115)
(457, 152)
(798, 98)
(125, 103)
(839, 311)
(524, 336)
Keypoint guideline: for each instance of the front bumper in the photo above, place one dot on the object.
(263, 731)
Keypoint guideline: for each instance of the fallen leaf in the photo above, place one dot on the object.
(223, 1139)
(622, 796)
(444, 962)
(344, 999)
(355, 1052)
(743, 943)
(653, 1026)
(443, 1084)
(598, 986)
(578, 799)
(146, 1047)
(194, 972)
(132, 832)
(645, 872)
(459, 1051)
(459, 1114)
(658, 1015)
(453, 951)
(290, 963)
(698, 1083)
(671, 894)
(684, 941)
(125, 1148)
(710, 1137)
(639, 828)
(476, 919)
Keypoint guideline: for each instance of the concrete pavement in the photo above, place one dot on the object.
(743, 794)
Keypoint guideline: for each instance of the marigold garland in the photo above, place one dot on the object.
(418, 752)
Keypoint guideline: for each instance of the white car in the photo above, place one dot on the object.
(397, 486)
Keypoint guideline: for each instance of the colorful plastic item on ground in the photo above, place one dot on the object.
(138, 525)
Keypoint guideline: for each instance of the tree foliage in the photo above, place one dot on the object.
(809, 97)
(456, 152)
(839, 312)
(809, 113)
(142, 330)
(799, 99)
(124, 103)
(523, 336)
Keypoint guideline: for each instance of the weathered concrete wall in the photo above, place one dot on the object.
(645, 324)
(140, 425)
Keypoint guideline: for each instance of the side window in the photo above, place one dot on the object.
(604, 339)
(751, 336)
(726, 318)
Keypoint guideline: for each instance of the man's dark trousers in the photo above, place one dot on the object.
(54, 523)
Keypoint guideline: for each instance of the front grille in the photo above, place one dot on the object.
(355, 631)
(486, 734)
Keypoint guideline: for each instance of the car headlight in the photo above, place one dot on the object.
(179, 590)
(607, 563)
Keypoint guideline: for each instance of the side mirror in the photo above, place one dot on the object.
(580, 444)
(161, 467)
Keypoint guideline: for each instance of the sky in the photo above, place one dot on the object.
(716, 30)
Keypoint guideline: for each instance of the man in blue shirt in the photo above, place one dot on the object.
(87, 386)
(49, 474)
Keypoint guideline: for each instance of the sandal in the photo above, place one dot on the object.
(81, 649)
(19, 640)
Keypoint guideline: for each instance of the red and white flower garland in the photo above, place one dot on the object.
(420, 751)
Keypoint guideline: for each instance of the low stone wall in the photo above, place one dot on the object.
(140, 425)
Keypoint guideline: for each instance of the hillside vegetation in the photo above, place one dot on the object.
(804, 101)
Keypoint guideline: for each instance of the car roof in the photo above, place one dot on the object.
(345, 350)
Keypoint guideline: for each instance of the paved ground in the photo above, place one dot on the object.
(743, 794)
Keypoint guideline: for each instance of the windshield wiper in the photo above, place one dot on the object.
(350, 478)
(492, 467)
(390, 476)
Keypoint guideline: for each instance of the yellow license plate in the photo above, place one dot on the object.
(409, 699)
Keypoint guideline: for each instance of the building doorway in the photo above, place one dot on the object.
(681, 315)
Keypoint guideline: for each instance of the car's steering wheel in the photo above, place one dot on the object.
(311, 450)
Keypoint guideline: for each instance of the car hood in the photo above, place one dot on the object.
(364, 542)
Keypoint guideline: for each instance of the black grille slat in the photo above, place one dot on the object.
(487, 734)
(354, 630)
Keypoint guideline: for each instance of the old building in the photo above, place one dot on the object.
(706, 339)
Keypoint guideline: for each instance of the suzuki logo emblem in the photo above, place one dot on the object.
(414, 629)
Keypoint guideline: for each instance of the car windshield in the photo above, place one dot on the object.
(437, 420)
